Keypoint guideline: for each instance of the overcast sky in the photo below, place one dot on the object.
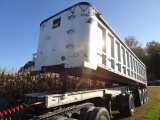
(20, 19)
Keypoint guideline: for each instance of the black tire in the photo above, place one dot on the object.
(122, 110)
(75, 115)
(58, 118)
(131, 106)
(122, 103)
(139, 98)
(99, 113)
(85, 112)
(70, 119)
(144, 95)
(126, 104)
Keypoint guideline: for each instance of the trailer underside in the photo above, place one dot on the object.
(119, 91)
(108, 76)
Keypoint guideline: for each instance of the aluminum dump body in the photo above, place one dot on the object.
(82, 42)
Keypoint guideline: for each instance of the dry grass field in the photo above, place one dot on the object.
(14, 85)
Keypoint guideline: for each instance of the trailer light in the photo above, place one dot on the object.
(63, 58)
(85, 54)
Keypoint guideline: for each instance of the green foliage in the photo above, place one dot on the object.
(150, 55)
(153, 63)
(131, 41)
(152, 47)
(135, 46)
(27, 66)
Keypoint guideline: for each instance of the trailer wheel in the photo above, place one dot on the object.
(58, 118)
(122, 103)
(99, 113)
(131, 105)
(75, 115)
(85, 112)
(139, 97)
(144, 95)
(126, 104)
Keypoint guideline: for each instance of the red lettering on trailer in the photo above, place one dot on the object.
(104, 66)
(76, 55)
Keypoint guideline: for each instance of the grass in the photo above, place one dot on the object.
(154, 113)
(148, 111)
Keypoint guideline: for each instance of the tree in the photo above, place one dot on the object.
(152, 47)
(34, 57)
(135, 46)
(153, 64)
(131, 41)
(29, 64)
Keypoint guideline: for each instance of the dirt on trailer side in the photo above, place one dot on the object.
(141, 111)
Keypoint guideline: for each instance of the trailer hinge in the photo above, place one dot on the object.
(71, 17)
(70, 31)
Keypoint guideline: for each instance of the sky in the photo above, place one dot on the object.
(20, 23)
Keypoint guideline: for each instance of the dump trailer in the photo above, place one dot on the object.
(79, 42)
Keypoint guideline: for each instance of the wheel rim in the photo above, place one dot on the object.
(132, 105)
(103, 118)
(146, 94)
(141, 97)
(144, 99)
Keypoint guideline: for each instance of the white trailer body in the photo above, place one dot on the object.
(78, 37)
